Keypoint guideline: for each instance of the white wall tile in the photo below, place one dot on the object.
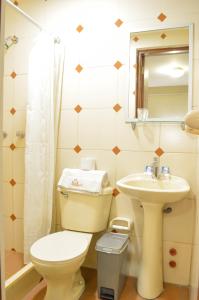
(8, 233)
(10, 23)
(133, 257)
(19, 125)
(180, 274)
(70, 92)
(143, 138)
(20, 92)
(18, 200)
(18, 165)
(7, 199)
(98, 87)
(21, 62)
(18, 25)
(178, 226)
(72, 49)
(181, 164)
(8, 92)
(7, 128)
(129, 162)
(123, 85)
(66, 159)
(97, 129)
(96, 51)
(174, 139)
(68, 133)
(18, 235)
(9, 58)
(7, 164)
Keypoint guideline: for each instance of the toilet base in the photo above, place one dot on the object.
(78, 285)
(74, 293)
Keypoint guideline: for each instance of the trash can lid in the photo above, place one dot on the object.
(112, 243)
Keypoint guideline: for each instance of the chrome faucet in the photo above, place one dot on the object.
(154, 169)
(156, 166)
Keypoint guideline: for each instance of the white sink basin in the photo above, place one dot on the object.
(153, 193)
(148, 189)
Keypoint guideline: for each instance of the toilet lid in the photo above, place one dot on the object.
(61, 246)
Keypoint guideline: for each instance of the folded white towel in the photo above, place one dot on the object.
(80, 180)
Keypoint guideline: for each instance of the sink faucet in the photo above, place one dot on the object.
(155, 166)
(154, 169)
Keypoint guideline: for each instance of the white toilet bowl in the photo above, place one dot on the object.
(58, 257)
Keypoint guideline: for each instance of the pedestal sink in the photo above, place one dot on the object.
(154, 194)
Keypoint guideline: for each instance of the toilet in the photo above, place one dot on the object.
(59, 256)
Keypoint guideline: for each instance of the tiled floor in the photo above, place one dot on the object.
(14, 262)
(172, 292)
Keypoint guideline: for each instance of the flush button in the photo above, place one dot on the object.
(172, 264)
(173, 252)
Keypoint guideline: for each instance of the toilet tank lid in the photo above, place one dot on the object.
(105, 191)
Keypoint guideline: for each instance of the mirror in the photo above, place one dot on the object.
(160, 74)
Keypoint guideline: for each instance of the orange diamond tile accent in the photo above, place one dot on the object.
(12, 147)
(159, 151)
(13, 111)
(12, 182)
(79, 28)
(163, 36)
(79, 68)
(77, 149)
(116, 150)
(12, 217)
(118, 65)
(136, 39)
(115, 192)
(162, 17)
(117, 107)
(13, 74)
(78, 108)
(119, 22)
(13, 249)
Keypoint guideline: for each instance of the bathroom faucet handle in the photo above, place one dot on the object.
(165, 170)
(149, 170)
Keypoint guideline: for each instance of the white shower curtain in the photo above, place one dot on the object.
(43, 110)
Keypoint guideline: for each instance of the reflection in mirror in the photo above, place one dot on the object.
(159, 76)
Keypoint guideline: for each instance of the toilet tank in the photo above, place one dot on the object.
(85, 212)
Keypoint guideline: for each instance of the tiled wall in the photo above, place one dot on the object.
(92, 114)
(14, 102)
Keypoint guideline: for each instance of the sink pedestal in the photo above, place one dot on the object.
(150, 280)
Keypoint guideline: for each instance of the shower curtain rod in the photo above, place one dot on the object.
(33, 21)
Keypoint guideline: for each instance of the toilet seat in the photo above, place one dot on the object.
(61, 246)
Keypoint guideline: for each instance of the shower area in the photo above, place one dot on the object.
(33, 65)
(14, 121)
